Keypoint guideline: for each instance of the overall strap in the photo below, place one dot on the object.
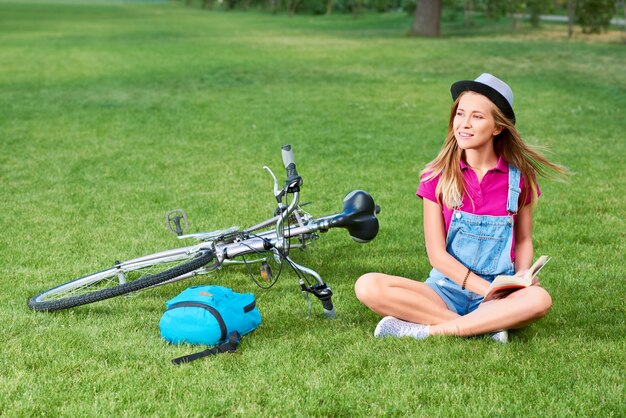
(514, 189)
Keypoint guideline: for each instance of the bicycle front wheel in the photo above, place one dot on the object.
(125, 277)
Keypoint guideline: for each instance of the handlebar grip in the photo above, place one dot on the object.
(290, 164)
(329, 309)
(288, 155)
(327, 303)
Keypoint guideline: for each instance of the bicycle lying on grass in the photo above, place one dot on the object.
(270, 240)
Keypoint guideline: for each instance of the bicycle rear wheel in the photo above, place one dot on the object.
(125, 277)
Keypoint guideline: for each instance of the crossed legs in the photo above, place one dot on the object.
(415, 301)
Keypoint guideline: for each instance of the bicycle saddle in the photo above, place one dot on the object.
(358, 216)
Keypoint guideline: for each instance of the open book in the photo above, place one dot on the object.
(503, 285)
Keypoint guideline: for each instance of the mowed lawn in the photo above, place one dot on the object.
(113, 113)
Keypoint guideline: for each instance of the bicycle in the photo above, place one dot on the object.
(270, 239)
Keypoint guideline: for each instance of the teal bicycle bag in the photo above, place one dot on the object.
(208, 315)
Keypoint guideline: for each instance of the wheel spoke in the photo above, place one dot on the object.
(112, 279)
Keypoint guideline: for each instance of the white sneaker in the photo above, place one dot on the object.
(500, 336)
(394, 327)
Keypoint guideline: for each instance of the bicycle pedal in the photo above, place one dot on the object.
(177, 221)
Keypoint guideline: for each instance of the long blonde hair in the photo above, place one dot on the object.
(508, 144)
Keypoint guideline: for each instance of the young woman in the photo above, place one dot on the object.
(478, 197)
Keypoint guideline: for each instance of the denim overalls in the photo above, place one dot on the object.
(481, 243)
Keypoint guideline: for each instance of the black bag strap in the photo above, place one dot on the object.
(212, 310)
(228, 347)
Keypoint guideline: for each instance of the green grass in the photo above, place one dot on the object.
(113, 113)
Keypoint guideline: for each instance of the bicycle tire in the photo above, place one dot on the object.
(62, 297)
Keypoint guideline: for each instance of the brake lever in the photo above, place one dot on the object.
(278, 193)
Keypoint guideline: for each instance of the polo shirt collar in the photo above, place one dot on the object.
(502, 165)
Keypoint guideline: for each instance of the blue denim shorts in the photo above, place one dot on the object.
(458, 300)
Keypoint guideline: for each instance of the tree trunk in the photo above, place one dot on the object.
(292, 7)
(329, 7)
(571, 6)
(624, 20)
(536, 8)
(356, 8)
(512, 10)
(427, 17)
(275, 6)
(468, 10)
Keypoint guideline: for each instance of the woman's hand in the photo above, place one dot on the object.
(520, 273)
(535, 280)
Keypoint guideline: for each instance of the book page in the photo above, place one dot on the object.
(503, 285)
(536, 267)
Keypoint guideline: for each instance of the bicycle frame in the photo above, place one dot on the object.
(272, 237)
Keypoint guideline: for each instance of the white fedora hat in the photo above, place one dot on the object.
(490, 86)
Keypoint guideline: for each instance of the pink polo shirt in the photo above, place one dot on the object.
(489, 196)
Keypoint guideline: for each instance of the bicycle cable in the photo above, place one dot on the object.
(296, 270)
(282, 254)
